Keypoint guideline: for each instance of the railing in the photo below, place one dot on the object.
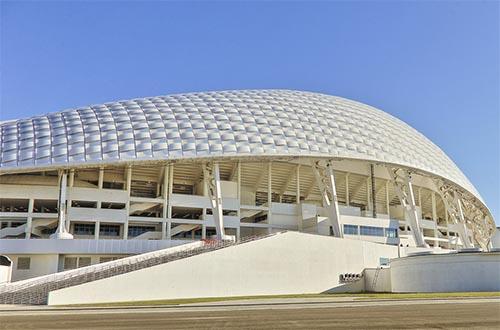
(35, 291)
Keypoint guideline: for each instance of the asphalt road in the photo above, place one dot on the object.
(456, 314)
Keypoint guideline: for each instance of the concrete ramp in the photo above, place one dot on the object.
(285, 263)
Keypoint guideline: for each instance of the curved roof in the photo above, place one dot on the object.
(226, 123)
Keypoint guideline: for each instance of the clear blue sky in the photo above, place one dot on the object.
(434, 65)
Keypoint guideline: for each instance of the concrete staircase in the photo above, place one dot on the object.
(35, 291)
(36, 229)
(12, 231)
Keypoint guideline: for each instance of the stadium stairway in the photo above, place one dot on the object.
(35, 291)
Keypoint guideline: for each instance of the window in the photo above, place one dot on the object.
(45, 206)
(350, 230)
(70, 263)
(23, 263)
(107, 259)
(14, 205)
(391, 232)
(384, 261)
(84, 229)
(85, 204)
(134, 231)
(371, 231)
(112, 185)
(114, 206)
(83, 262)
(76, 262)
(110, 230)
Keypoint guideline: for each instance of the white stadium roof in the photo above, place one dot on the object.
(237, 123)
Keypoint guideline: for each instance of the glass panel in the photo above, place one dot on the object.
(350, 230)
(371, 231)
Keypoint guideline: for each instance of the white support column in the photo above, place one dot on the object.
(269, 195)
(211, 176)
(165, 202)
(203, 232)
(238, 187)
(129, 188)
(326, 184)
(101, 178)
(61, 232)
(387, 199)
(97, 229)
(297, 192)
(435, 217)
(462, 228)
(99, 184)
(447, 225)
(347, 197)
(373, 192)
(406, 196)
(420, 200)
(453, 206)
(29, 220)
(71, 184)
(169, 207)
(238, 230)
(369, 205)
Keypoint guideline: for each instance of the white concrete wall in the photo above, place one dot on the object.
(41, 264)
(446, 273)
(380, 282)
(5, 274)
(290, 262)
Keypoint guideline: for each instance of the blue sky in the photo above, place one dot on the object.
(433, 64)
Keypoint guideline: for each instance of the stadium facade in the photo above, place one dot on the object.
(98, 183)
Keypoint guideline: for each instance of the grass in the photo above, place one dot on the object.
(356, 296)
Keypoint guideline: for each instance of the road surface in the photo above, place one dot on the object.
(277, 314)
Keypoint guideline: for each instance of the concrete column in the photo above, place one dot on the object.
(101, 178)
(269, 195)
(217, 211)
(463, 230)
(373, 194)
(347, 198)
(334, 205)
(435, 218)
(406, 196)
(97, 229)
(368, 199)
(71, 178)
(203, 232)
(387, 199)
(239, 189)
(297, 193)
(99, 184)
(165, 194)
(326, 183)
(61, 232)
(29, 221)
(128, 186)
(71, 184)
(169, 196)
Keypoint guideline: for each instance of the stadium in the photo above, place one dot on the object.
(214, 171)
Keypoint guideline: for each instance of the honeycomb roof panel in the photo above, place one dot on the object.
(218, 124)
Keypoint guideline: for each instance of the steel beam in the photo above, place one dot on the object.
(453, 206)
(326, 183)
(61, 231)
(211, 176)
(403, 185)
